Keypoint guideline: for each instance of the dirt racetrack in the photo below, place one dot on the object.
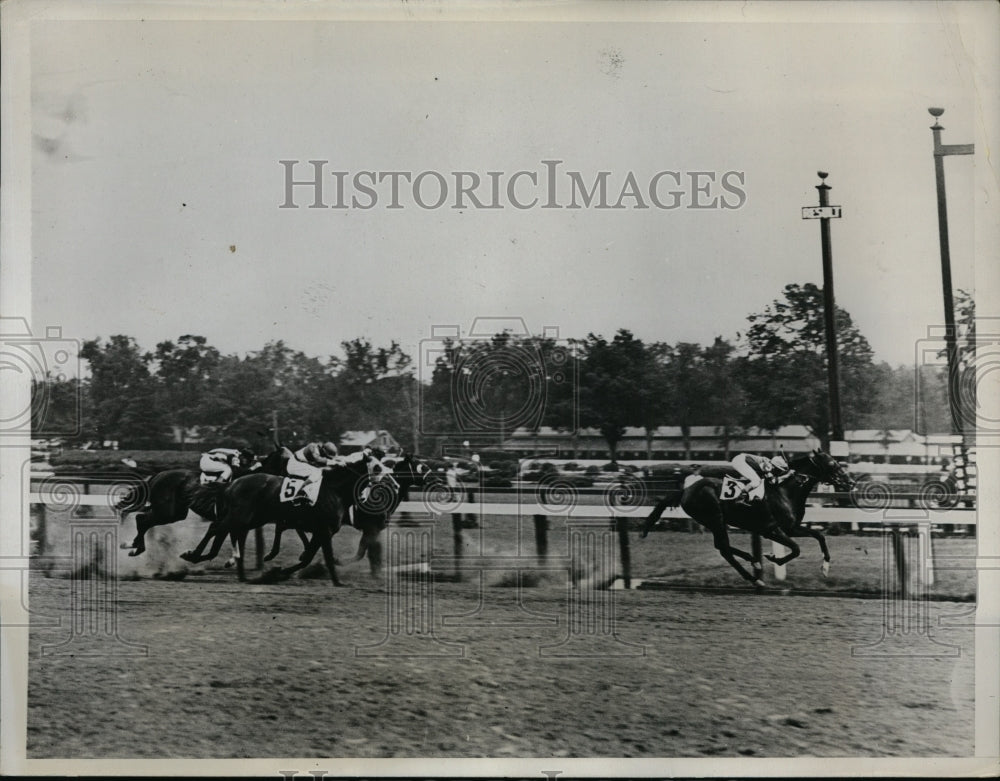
(242, 670)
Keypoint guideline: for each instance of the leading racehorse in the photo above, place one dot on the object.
(778, 517)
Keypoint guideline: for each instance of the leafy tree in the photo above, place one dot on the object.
(619, 385)
(376, 389)
(786, 366)
(725, 396)
(59, 408)
(278, 379)
(485, 388)
(688, 389)
(186, 371)
(123, 393)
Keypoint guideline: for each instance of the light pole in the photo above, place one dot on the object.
(950, 335)
(824, 213)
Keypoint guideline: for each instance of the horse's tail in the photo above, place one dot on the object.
(133, 499)
(207, 500)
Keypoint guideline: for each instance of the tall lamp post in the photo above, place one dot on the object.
(824, 213)
(950, 335)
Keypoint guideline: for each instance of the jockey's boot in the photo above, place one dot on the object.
(301, 499)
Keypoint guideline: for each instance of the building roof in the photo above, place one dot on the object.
(362, 438)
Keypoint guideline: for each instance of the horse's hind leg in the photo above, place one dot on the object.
(729, 553)
(305, 544)
(650, 521)
(138, 544)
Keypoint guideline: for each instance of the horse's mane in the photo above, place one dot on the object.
(796, 463)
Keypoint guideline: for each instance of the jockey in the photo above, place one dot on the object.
(758, 468)
(217, 464)
(308, 462)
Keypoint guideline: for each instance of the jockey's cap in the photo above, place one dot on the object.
(780, 462)
(329, 449)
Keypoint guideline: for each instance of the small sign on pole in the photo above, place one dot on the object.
(820, 212)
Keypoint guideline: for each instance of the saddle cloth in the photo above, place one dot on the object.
(291, 486)
(732, 489)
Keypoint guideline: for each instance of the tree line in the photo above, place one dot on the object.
(481, 390)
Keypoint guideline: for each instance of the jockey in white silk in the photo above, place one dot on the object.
(308, 463)
(756, 469)
(217, 465)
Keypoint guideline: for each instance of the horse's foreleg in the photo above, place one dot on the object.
(239, 540)
(804, 531)
(779, 536)
(327, 545)
(220, 537)
(279, 528)
(375, 557)
(194, 556)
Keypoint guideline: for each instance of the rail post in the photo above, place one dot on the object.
(591, 621)
(456, 536)
(541, 537)
(906, 621)
(778, 550)
(899, 562)
(621, 525)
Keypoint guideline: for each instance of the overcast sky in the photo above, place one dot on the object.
(157, 182)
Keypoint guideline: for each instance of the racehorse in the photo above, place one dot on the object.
(172, 493)
(372, 516)
(371, 511)
(778, 517)
(256, 499)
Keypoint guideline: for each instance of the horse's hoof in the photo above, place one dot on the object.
(189, 556)
(759, 584)
(136, 552)
(126, 546)
(825, 568)
(770, 558)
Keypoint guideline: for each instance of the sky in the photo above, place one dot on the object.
(156, 181)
